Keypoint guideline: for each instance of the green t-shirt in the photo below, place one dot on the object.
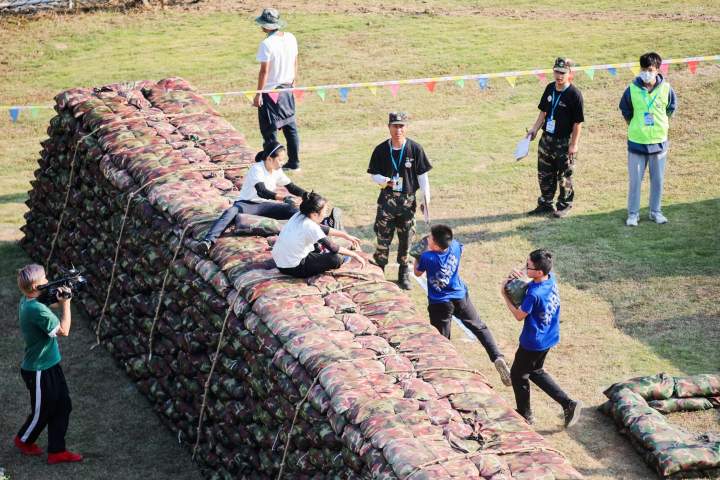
(37, 324)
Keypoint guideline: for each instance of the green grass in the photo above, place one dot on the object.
(635, 301)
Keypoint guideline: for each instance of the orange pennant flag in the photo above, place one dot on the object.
(299, 95)
(430, 86)
(692, 66)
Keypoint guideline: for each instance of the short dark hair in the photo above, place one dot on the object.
(312, 203)
(442, 235)
(650, 59)
(542, 259)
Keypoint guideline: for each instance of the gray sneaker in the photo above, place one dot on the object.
(632, 220)
(658, 218)
(502, 368)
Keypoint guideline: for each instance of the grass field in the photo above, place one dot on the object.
(635, 301)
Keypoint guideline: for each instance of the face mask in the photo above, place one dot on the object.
(647, 77)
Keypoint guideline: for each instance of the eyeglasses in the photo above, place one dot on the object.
(528, 267)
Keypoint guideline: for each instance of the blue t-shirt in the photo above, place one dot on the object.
(443, 277)
(541, 329)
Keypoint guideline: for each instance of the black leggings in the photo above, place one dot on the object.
(314, 264)
(276, 210)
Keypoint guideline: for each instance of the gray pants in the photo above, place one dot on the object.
(637, 163)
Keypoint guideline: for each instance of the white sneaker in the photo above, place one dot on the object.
(632, 220)
(502, 368)
(658, 218)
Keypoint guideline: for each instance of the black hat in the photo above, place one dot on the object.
(563, 65)
(270, 19)
(397, 118)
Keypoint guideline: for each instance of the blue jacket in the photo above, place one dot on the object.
(626, 108)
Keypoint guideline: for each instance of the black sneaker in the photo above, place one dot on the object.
(542, 210)
(529, 417)
(572, 413)
(204, 247)
(562, 212)
(291, 168)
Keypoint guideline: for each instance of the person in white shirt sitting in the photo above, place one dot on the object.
(303, 248)
(258, 195)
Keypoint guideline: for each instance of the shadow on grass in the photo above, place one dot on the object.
(597, 252)
(19, 197)
(112, 424)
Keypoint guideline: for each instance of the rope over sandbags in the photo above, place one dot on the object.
(258, 373)
(637, 406)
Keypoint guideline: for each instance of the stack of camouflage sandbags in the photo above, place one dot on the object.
(341, 368)
(637, 406)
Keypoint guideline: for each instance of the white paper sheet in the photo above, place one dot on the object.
(523, 148)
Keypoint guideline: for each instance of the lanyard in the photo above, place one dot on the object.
(652, 99)
(555, 101)
(396, 165)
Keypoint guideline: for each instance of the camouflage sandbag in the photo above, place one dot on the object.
(684, 404)
(704, 385)
(516, 290)
(417, 248)
(656, 387)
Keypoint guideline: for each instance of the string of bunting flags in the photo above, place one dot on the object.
(430, 83)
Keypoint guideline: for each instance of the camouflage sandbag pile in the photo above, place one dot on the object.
(340, 368)
(637, 406)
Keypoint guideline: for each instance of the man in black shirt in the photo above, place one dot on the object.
(561, 118)
(399, 166)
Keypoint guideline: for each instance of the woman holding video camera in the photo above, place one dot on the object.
(49, 396)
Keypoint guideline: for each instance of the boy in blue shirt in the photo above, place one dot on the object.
(448, 295)
(540, 311)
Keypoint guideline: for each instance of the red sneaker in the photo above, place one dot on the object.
(27, 448)
(62, 457)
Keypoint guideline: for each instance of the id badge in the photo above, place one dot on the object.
(397, 183)
(649, 120)
(550, 126)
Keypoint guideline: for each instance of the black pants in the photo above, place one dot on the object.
(528, 365)
(314, 264)
(276, 210)
(280, 115)
(50, 406)
(441, 318)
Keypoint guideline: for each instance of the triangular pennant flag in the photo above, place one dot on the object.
(430, 85)
(373, 89)
(216, 99)
(612, 71)
(344, 94)
(692, 66)
(542, 77)
(590, 72)
(511, 81)
(14, 114)
(664, 67)
(482, 83)
(321, 93)
(299, 95)
(635, 69)
(571, 76)
(274, 96)
(34, 111)
(250, 96)
(460, 82)
(394, 87)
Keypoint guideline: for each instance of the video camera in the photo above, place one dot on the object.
(71, 278)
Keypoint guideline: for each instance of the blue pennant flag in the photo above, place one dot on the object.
(612, 71)
(344, 94)
(14, 113)
(482, 83)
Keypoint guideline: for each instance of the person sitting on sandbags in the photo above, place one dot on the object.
(303, 248)
(258, 195)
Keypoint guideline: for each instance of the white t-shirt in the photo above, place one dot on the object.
(297, 238)
(280, 49)
(258, 173)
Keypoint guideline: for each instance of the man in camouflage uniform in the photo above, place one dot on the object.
(561, 118)
(399, 166)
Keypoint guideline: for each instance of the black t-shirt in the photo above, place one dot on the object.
(569, 108)
(414, 155)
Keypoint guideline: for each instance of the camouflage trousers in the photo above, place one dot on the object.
(555, 168)
(395, 211)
